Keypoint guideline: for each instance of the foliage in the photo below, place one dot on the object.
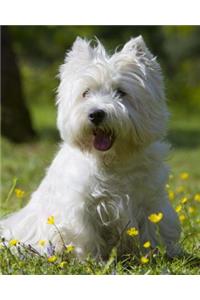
(41, 50)
(32, 263)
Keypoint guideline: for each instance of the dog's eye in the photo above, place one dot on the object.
(120, 93)
(85, 93)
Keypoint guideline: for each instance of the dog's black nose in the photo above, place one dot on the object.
(97, 116)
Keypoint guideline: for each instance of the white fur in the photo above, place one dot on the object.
(94, 195)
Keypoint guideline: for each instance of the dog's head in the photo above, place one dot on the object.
(111, 104)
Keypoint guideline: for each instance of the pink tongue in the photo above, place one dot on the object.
(102, 141)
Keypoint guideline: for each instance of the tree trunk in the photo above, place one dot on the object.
(15, 118)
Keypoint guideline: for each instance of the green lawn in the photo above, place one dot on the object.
(25, 164)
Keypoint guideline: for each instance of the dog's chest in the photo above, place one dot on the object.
(111, 199)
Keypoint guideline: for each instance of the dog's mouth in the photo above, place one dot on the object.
(102, 139)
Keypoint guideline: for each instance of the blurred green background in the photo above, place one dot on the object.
(39, 50)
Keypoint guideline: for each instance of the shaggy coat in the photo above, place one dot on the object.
(109, 173)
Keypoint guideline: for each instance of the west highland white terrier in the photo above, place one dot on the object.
(109, 173)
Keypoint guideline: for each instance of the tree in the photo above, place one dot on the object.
(15, 118)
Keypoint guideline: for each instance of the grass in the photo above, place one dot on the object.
(23, 167)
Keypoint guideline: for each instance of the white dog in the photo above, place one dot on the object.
(109, 173)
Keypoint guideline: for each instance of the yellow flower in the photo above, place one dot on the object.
(132, 231)
(178, 208)
(197, 197)
(42, 243)
(144, 260)
(19, 193)
(62, 264)
(184, 200)
(155, 218)
(147, 244)
(182, 217)
(184, 176)
(180, 189)
(191, 209)
(51, 220)
(52, 258)
(13, 242)
(171, 195)
(70, 248)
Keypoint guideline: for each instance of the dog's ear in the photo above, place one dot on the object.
(137, 52)
(81, 50)
(137, 47)
(79, 55)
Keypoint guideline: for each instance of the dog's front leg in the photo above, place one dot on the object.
(169, 228)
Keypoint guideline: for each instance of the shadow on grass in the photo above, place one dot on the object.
(184, 138)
